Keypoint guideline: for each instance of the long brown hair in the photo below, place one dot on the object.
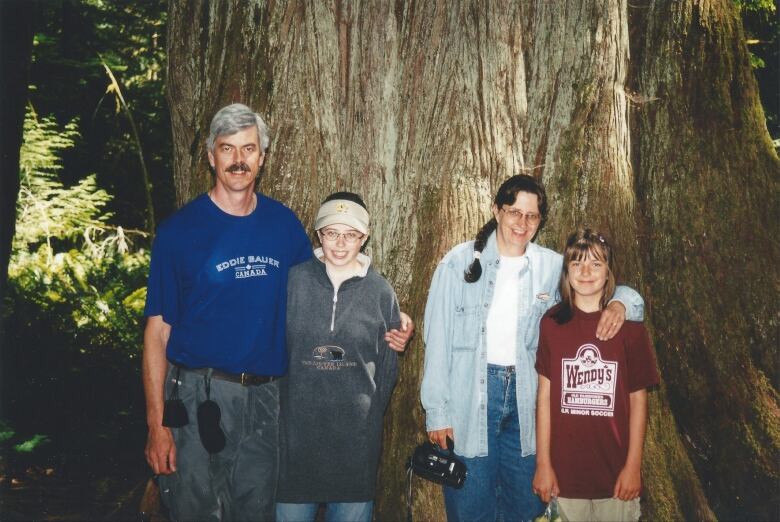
(506, 195)
(581, 243)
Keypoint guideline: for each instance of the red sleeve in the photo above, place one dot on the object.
(642, 372)
(543, 352)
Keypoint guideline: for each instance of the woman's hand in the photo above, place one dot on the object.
(612, 318)
(397, 339)
(545, 483)
(439, 437)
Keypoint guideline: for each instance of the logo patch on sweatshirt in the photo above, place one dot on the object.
(329, 357)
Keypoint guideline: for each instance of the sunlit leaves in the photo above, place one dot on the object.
(72, 271)
(9, 436)
(73, 42)
(46, 209)
(32, 444)
(6, 431)
(759, 18)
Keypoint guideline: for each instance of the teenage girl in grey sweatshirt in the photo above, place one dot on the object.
(341, 372)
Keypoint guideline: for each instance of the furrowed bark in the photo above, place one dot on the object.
(579, 141)
(425, 107)
(219, 56)
(16, 41)
(708, 178)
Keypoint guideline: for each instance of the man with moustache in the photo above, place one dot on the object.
(214, 343)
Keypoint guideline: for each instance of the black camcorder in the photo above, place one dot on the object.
(438, 465)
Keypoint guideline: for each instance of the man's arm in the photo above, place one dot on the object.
(629, 482)
(160, 449)
(545, 483)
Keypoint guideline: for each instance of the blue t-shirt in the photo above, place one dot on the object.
(220, 281)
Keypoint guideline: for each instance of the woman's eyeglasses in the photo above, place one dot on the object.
(517, 215)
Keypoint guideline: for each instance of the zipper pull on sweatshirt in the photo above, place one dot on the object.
(333, 314)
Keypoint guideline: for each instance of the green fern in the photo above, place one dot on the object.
(72, 272)
(46, 209)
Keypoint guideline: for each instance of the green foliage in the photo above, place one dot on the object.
(761, 28)
(765, 7)
(6, 431)
(30, 445)
(73, 311)
(10, 439)
(70, 82)
(762, 35)
(47, 210)
(71, 272)
(94, 303)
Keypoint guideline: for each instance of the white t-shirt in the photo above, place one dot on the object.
(504, 309)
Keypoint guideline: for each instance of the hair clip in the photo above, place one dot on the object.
(601, 238)
(477, 254)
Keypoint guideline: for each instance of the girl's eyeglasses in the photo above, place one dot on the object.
(350, 237)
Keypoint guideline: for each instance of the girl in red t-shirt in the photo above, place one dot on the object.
(591, 410)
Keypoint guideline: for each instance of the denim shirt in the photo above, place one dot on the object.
(454, 384)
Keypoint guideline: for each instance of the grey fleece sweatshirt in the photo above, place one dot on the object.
(338, 384)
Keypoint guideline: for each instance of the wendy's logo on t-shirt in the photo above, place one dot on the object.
(248, 266)
(588, 383)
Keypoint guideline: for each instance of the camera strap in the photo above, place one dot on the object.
(174, 412)
(207, 383)
(175, 391)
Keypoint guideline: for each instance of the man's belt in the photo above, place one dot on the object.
(244, 379)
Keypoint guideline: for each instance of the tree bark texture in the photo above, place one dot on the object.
(16, 32)
(16, 39)
(639, 119)
(708, 183)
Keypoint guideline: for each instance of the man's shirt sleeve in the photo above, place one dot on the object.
(642, 372)
(301, 245)
(162, 287)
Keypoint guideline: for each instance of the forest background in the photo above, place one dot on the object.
(95, 176)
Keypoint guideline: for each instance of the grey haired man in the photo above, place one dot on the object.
(214, 342)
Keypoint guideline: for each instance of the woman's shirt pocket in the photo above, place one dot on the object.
(538, 309)
(466, 328)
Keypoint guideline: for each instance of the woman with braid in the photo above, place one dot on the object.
(482, 319)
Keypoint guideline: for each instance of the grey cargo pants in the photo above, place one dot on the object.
(238, 483)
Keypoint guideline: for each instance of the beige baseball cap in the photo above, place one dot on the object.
(342, 211)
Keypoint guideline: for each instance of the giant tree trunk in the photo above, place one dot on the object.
(425, 107)
(16, 39)
(707, 181)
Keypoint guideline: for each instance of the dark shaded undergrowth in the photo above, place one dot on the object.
(74, 440)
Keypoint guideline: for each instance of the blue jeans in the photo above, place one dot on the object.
(334, 512)
(498, 486)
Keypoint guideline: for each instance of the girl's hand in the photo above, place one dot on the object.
(612, 318)
(439, 437)
(398, 339)
(545, 483)
(628, 484)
